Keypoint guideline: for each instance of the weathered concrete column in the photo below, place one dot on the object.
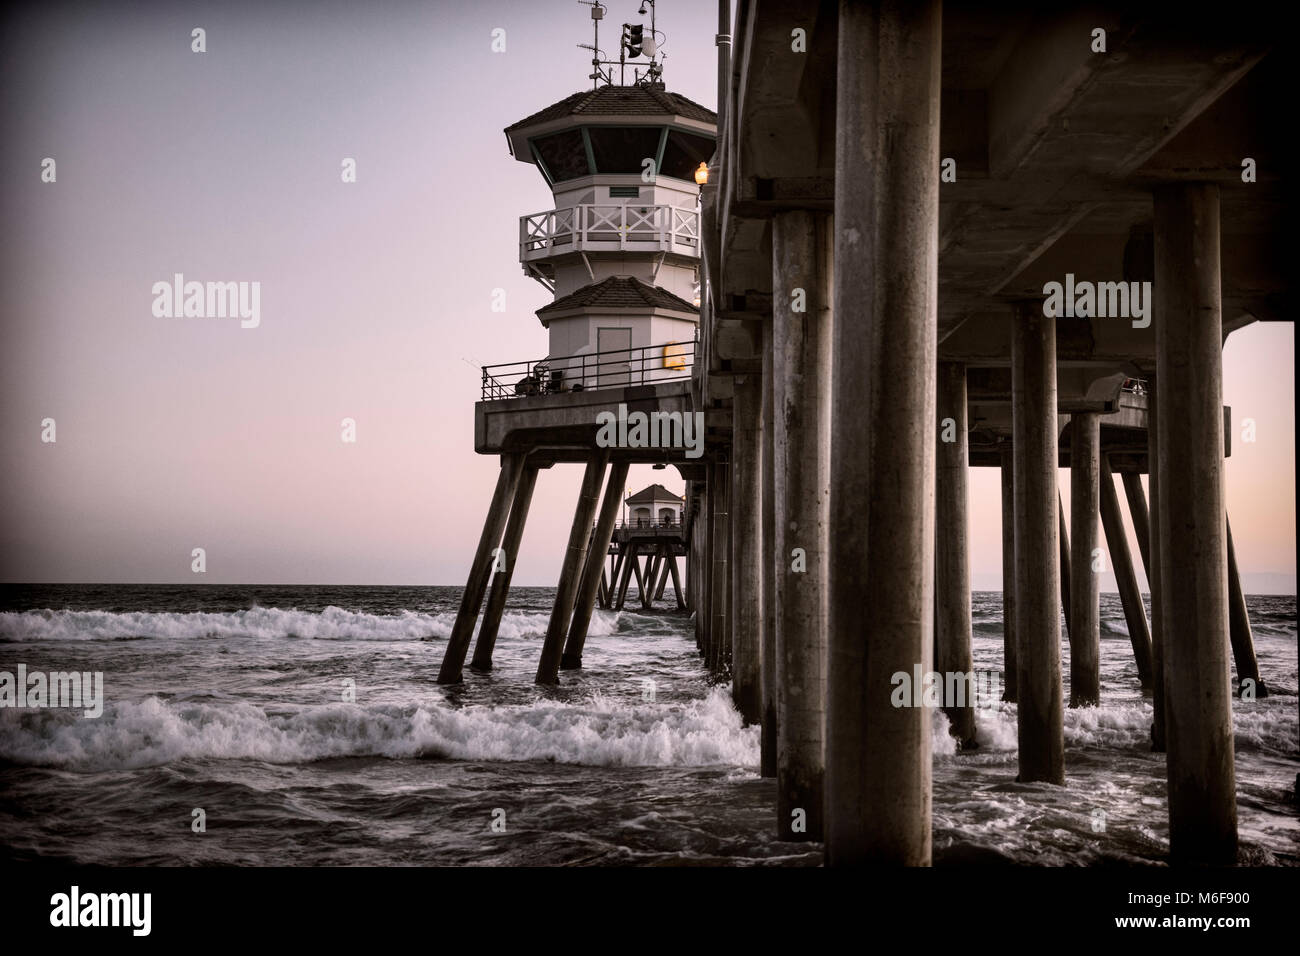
(1193, 529)
(677, 582)
(952, 639)
(1063, 543)
(801, 339)
(1085, 588)
(665, 559)
(1008, 575)
(628, 561)
(487, 635)
(595, 566)
(704, 531)
(720, 553)
(453, 660)
(882, 462)
(548, 668)
(640, 578)
(1137, 512)
(1121, 561)
(1039, 724)
(687, 597)
(767, 745)
(1153, 574)
(1243, 642)
(747, 552)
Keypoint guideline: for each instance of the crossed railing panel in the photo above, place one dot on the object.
(622, 223)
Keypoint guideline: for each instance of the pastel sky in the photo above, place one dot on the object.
(376, 296)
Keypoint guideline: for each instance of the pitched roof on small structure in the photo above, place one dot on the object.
(620, 101)
(619, 292)
(652, 494)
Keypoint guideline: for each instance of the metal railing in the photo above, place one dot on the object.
(607, 227)
(613, 368)
(645, 524)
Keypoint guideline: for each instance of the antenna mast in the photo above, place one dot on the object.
(630, 44)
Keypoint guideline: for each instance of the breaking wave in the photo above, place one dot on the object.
(597, 732)
(331, 624)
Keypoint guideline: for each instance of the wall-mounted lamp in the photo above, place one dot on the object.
(702, 174)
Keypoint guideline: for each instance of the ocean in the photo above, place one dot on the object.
(303, 726)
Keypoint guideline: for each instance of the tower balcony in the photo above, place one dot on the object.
(609, 227)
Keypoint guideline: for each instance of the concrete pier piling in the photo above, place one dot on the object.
(801, 259)
(1085, 585)
(1008, 575)
(952, 639)
(1243, 643)
(1063, 545)
(1193, 527)
(1121, 560)
(629, 564)
(548, 667)
(487, 635)
(1137, 512)
(1154, 576)
(453, 661)
(882, 464)
(594, 566)
(720, 582)
(768, 742)
(1039, 724)
(747, 552)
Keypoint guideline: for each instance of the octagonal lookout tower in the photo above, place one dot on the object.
(620, 250)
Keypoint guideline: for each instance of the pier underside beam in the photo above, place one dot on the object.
(952, 639)
(594, 569)
(747, 553)
(1008, 575)
(548, 668)
(1121, 561)
(882, 459)
(1243, 642)
(802, 247)
(1193, 528)
(487, 635)
(1039, 724)
(1085, 587)
(453, 660)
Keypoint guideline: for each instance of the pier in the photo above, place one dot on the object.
(911, 241)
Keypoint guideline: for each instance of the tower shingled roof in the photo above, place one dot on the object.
(652, 494)
(620, 101)
(619, 292)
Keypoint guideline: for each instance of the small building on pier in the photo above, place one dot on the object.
(655, 506)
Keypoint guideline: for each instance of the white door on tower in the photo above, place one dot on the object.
(615, 348)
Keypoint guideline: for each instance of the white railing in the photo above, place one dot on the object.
(595, 227)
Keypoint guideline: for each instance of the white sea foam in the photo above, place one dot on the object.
(331, 624)
(598, 732)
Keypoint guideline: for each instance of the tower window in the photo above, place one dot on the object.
(683, 153)
(622, 149)
(624, 192)
(564, 154)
